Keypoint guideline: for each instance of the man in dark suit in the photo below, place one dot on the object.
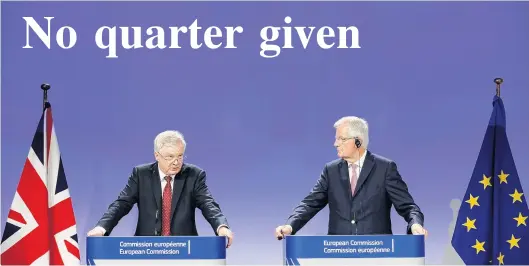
(167, 193)
(360, 187)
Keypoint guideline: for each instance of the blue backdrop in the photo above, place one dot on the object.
(262, 128)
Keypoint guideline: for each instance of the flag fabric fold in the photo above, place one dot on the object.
(492, 223)
(41, 227)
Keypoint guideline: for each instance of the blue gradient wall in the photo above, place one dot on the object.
(262, 128)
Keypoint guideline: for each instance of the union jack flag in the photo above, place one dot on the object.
(40, 227)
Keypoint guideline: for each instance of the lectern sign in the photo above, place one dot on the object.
(155, 250)
(354, 250)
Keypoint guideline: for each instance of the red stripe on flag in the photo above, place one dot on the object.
(62, 215)
(72, 249)
(63, 218)
(16, 216)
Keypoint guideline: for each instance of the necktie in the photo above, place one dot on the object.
(353, 177)
(166, 207)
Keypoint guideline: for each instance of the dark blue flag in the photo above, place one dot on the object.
(492, 222)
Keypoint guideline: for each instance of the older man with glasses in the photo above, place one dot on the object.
(167, 192)
(360, 188)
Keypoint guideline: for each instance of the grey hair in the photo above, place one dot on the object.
(356, 127)
(169, 137)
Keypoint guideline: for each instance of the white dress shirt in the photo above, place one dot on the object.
(163, 181)
(359, 164)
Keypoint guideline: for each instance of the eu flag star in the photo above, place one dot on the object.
(513, 241)
(473, 201)
(500, 258)
(520, 219)
(486, 182)
(479, 246)
(503, 177)
(516, 196)
(470, 224)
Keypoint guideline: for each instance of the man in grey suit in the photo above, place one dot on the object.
(360, 187)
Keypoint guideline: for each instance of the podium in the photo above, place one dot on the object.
(354, 250)
(143, 250)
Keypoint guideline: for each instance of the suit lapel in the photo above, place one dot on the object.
(178, 185)
(157, 188)
(344, 178)
(364, 171)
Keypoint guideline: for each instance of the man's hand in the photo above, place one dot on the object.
(224, 231)
(97, 231)
(417, 229)
(282, 231)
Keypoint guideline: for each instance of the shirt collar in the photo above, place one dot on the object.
(360, 162)
(162, 174)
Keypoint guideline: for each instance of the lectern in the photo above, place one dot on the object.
(172, 250)
(354, 250)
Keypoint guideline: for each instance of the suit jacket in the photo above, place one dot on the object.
(144, 188)
(379, 186)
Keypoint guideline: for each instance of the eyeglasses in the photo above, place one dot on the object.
(172, 158)
(342, 139)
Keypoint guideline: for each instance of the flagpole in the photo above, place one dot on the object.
(45, 87)
(498, 82)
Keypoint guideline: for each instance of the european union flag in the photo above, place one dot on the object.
(492, 222)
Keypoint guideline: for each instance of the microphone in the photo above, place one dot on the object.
(354, 222)
(156, 233)
(360, 214)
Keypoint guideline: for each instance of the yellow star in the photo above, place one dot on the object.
(470, 224)
(520, 219)
(514, 241)
(500, 258)
(479, 246)
(486, 182)
(473, 201)
(503, 177)
(516, 196)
